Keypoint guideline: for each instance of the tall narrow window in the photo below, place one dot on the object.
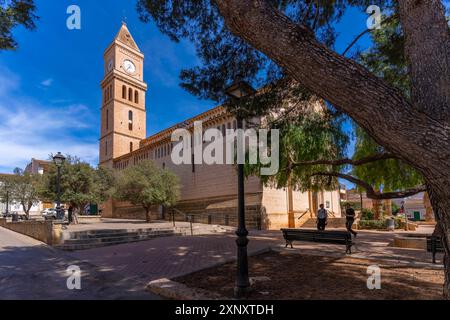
(131, 146)
(130, 120)
(107, 119)
(130, 94)
(124, 92)
(106, 148)
(136, 97)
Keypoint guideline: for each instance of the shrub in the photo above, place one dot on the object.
(372, 224)
(367, 214)
(380, 224)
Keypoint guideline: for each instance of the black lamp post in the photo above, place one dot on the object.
(237, 91)
(7, 203)
(58, 159)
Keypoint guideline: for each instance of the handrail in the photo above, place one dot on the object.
(303, 214)
(187, 216)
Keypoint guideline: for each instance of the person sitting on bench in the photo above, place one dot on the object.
(322, 217)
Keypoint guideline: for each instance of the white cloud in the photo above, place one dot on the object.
(47, 82)
(29, 129)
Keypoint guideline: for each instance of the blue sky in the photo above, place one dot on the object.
(50, 93)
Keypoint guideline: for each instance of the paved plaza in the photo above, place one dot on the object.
(31, 270)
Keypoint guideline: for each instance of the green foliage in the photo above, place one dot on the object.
(380, 224)
(387, 56)
(367, 214)
(22, 188)
(386, 59)
(372, 224)
(80, 183)
(5, 186)
(390, 174)
(25, 189)
(147, 185)
(12, 14)
(305, 136)
(395, 208)
(225, 57)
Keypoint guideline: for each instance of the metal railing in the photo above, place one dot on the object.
(303, 214)
(189, 218)
(210, 216)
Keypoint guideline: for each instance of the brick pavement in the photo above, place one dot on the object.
(177, 256)
(31, 270)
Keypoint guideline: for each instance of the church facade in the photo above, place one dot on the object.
(208, 192)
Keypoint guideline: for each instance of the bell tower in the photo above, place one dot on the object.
(123, 114)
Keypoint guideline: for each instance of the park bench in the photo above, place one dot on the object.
(434, 245)
(335, 237)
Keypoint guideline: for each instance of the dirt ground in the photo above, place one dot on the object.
(288, 276)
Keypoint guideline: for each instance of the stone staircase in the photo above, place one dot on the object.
(82, 240)
(333, 223)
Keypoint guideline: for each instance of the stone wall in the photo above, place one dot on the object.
(44, 231)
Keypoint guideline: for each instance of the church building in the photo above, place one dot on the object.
(208, 192)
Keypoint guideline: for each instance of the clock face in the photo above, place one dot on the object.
(110, 65)
(129, 66)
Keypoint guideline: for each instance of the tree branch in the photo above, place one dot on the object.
(371, 102)
(340, 162)
(363, 33)
(370, 191)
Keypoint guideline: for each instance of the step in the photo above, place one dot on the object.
(117, 238)
(95, 235)
(109, 233)
(85, 246)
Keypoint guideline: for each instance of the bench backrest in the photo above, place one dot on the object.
(438, 243)
(317, 236)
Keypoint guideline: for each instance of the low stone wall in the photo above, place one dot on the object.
(89, 219)
(45, 231)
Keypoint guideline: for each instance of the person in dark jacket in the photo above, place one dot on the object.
(350, 219)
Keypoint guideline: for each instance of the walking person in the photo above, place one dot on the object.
(70, 213)
(350, 219)
(322, 217)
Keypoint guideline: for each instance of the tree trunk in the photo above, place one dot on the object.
(388, 207)
(376, 209)
(147, 215)
(429, 214)
(416, 130)
(440, 200)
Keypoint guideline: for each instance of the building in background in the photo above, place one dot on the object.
(34, 167)
(209, 192)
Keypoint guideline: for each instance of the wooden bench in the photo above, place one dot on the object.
(434, 245)
(335, 237)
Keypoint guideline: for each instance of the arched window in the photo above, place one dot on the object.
(130, 94)
(130, 120)
(136, 97)
(131, 146)
(107, 119)
(124, 92)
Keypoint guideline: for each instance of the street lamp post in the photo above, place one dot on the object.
(58, 160)
(237, 91)
(7, 203)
